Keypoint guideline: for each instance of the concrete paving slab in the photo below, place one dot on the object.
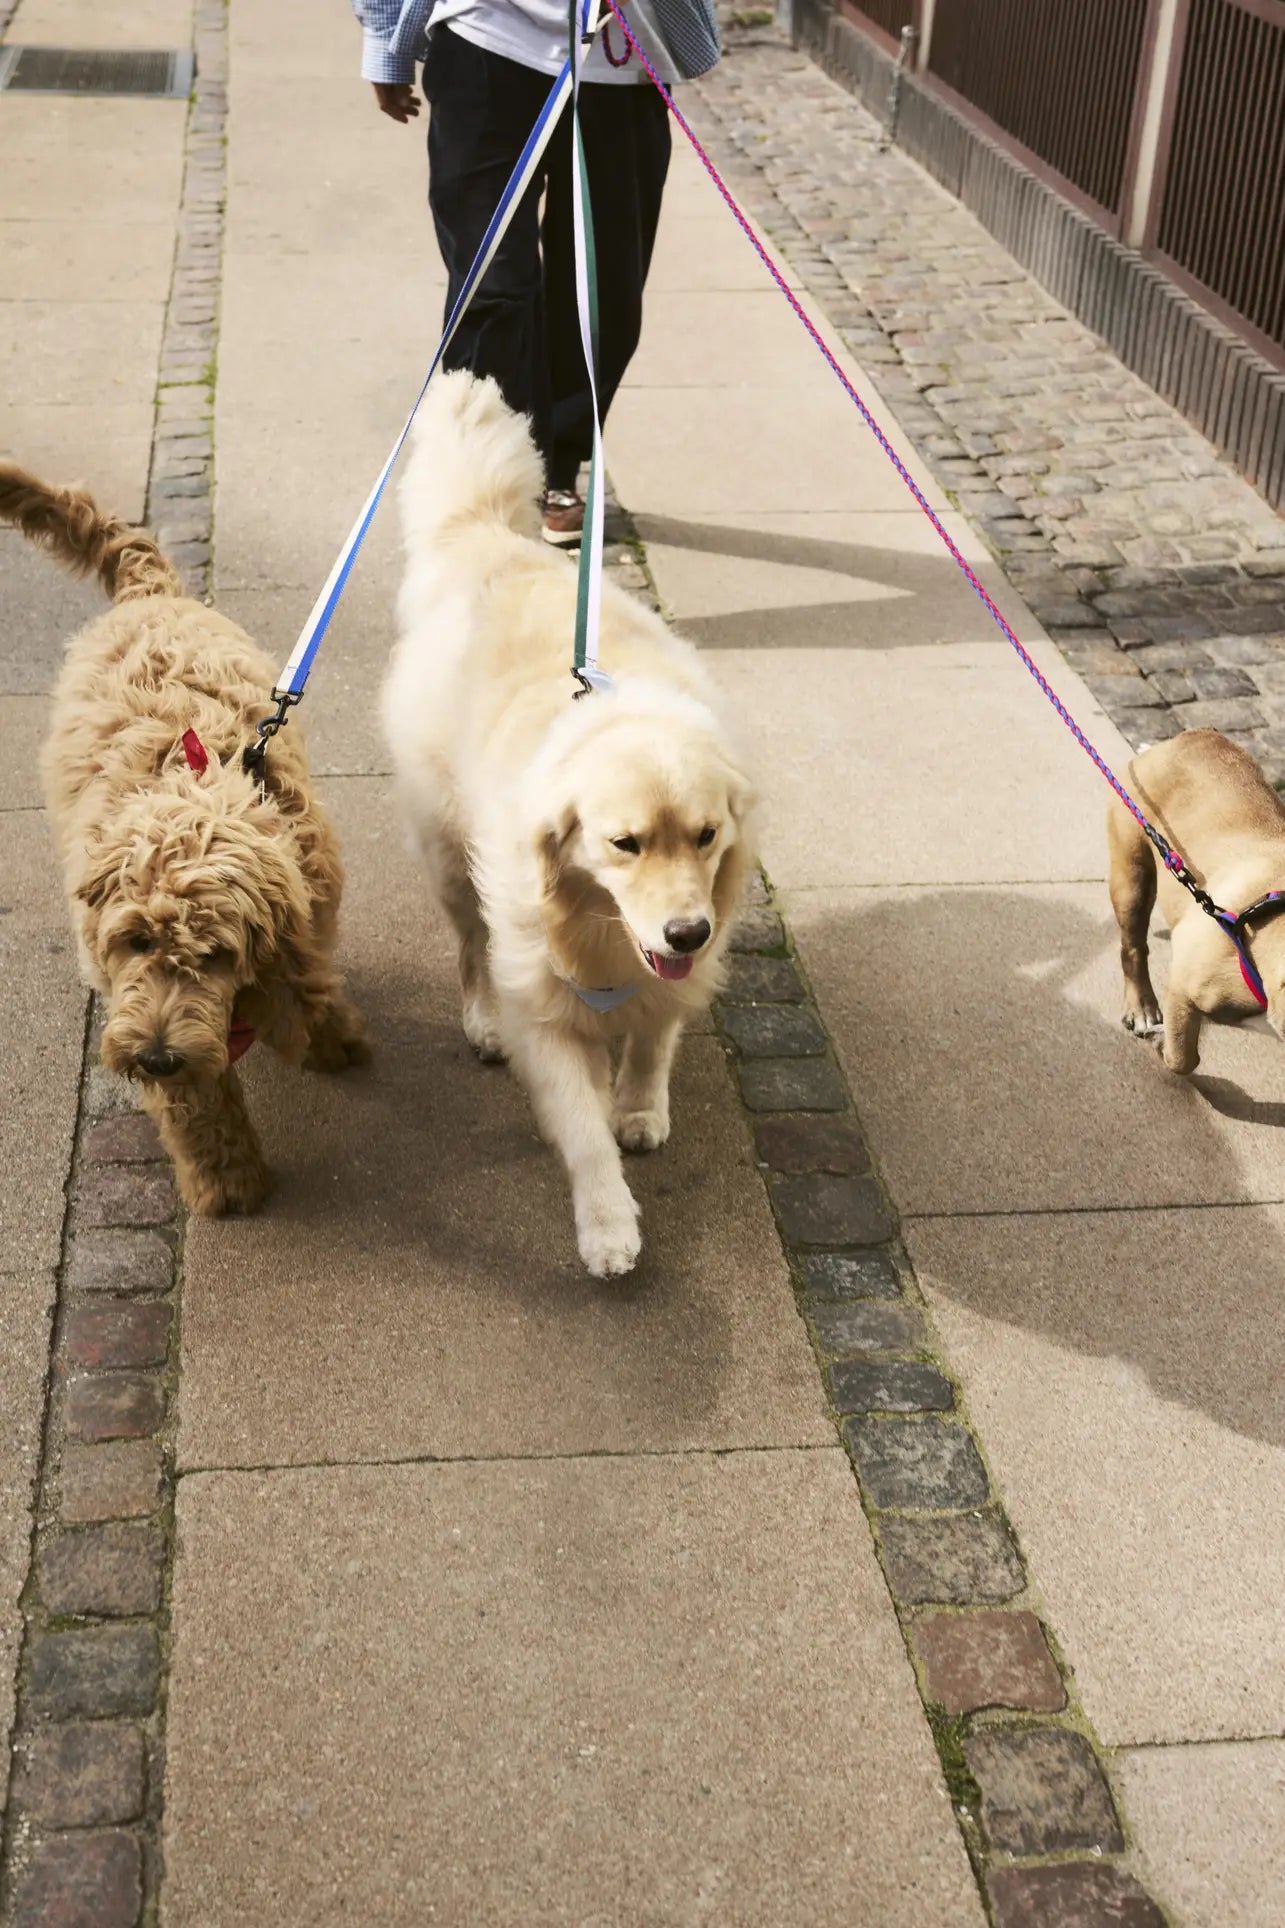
(686, 334)
(363, 195)
(256, 38)
(41, 608)
(1143, 1352)
(415, 1283)
(742, 450)
(700, 247)
(911, 733)
(980, 1028)
(802, 581)
(290, 487)
(26, 1308)
(306, 416)
(85, 23)
(68, 261)
(76, 352)
(42, 1009)
(608, 1690)
(1209, 1830)
(23, 721)
(322, 308)
(105, 445)
(342, 713)
(67, 159)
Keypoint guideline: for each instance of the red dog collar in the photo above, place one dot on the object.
(240, 1037)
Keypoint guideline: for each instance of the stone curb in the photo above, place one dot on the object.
(82, 1839)
(1027, 1781)
(180, 493)
(88, 1748)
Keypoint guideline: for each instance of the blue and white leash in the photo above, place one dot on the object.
(294, 676)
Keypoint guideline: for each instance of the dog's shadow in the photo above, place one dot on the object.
(1230, 1101)
(1058, 1177)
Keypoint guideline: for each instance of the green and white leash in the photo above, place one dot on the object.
(583, 28)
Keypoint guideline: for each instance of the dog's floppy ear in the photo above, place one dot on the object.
(740, 791)
(552, 838)
(101, 871)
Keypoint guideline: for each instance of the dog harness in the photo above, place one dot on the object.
(1237, 930)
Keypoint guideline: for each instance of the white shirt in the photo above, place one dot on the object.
(534, 33)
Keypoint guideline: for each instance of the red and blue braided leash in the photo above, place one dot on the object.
(1235, 926)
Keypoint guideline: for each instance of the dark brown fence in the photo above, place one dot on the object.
(1059, 76)
(891, 15)
(1222, 212)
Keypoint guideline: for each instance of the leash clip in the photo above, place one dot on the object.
(254, 756)
(589, 681)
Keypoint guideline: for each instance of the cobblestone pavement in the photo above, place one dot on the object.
(1157, 570)
(81, 1835)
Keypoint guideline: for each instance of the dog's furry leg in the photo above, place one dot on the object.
(336, 1035)
(206, 1130)
(448, 867)
(640, 1114)
(1133, 897)
(305, 1015)
(567, 1081)
(1181, 1048)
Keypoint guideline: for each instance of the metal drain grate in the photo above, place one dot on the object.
(63, 70)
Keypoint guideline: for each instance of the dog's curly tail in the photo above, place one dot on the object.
(69, 523)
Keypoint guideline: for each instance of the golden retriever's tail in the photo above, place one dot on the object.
(473, 461)
(69, 523)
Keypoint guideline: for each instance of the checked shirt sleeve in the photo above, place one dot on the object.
(392, 37)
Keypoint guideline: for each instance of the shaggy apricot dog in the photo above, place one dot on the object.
(205, 908)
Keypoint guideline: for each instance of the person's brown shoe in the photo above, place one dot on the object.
(563, 518)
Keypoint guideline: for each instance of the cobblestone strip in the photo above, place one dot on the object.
(180, 491)
(1156, 569)
(82, 1844)
(1026, 1778)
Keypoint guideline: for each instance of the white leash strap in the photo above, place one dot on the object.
(295, 674)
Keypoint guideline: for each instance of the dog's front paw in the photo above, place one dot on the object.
(608, 1236)
(240, 1190)
(482, 1030)
(1144, 1023)
(332, 1052)
(641, 1130)
(336, 1041)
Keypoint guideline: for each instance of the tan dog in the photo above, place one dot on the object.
(205, 911)
(1212, 803)
(590, 853)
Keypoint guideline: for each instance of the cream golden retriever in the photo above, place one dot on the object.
(590, 853)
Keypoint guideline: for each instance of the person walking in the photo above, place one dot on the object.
(487, 65)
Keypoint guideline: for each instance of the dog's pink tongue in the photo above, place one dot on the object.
(672, 967)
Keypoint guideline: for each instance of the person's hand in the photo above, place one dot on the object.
(397, 99)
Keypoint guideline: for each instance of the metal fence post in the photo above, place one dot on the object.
(905, 59)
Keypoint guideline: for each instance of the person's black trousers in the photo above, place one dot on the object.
(523, 327)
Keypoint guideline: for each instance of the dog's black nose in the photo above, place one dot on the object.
(687, 934)
(159, 1063)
